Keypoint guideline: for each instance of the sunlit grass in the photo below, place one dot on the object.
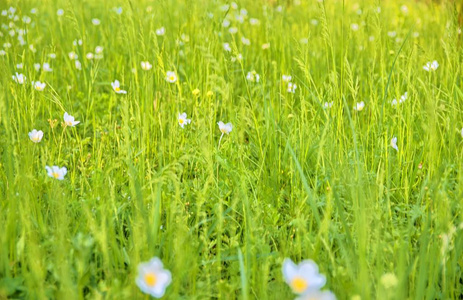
(303, 171)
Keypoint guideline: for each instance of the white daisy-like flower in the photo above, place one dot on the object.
(60, 12)
(152, 278)
(39, 86)
(226, 47)
(52, 55)
(254, 21)
(403, 97)
(145, 65)
(431, 66)
(46, 67)
(73, 55)
(69, 120)
(359, 106)
(291, 87)
(303, 278)
(160, 31)
(56, 172)
(233, 30)
(226, 23)
(394, 102)
(77, 42)
(89, 56)
(354, 26)
(78, 65)
(286, 78)
(19, 66)
(252, 76)
(118, 10)
(394, 143)
(171, 76)
(225, 128)
(36, 136)
(2, 52)
(98, 49)
(117, 87)
(96, 21)
(37, 67)
(182, 120)
(245, 41)
(19, 78)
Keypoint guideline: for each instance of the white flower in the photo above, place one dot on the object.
(226, 47)
(2, 52)
(286, 78)
(19, 66)
(245, 41)
(233, 30)
(56, 172)
(52, 55)
(462, 132)
(291, 87)
(73, 55)
(359, 106)
(78, 65)
(46, 67)
(431, 66)
(118, 10)
(182, 120)
(98, 49)
(303, 278)
(96, 22)
(225, 23)
(394, 143)
(6, 45)
(39, 86)
(160, 31)
(152, 278)
(60, 12)
(89, 55)
(145, 65)
(19, 78)
(253, 76)
(318, 295)
(37, 67)
(354, 26)
(75, 42)
(392, 34)
(225, 128)
(36, 136)
(117, 87)
(403, 97)
(171, 76)
(69, 120)
(394, 102)
(327, 105)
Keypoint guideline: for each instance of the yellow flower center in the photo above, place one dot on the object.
(223, 130)
(68, 123)
(35, 138)
(181, 121)
(55, 175)
(299, 285)
(171, 78)
(150, 279)
(117, 89)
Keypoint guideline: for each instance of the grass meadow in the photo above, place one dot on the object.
(371, 192)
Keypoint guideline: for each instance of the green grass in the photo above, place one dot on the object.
(291, 180)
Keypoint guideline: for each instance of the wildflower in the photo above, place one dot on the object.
(389, 280)
(52, 55)
(327, 105)
(225, 23)
(19, 78)
(394, 143)
(75, 42)
(145, 65)
(211, 93)
(78, 65)
(96, 22)
(160, 31)
(117, 88)
(171, 76)
(403, 97)
(196, 92)
(69, 120)
(291, 87)
(118, 10)
(254, 21)
(60, 12)
(245, 41)
(303, 278)
(286, 78)
(19, 66)
(89, 56)
(46, 67)
(39, 86)
(354, 26)
(37, 67)
(182, 120)
(265, 46)
(152, 278)
(359, 106)
(392, 34)
(226, 47)
(238, 57)
(431, 66)
(462, 132)
(56, 172)
(98, 49)
(73, 55)
(253, 76)
(225, 128)
(2, 52)
(36, 136)
(233, 30)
